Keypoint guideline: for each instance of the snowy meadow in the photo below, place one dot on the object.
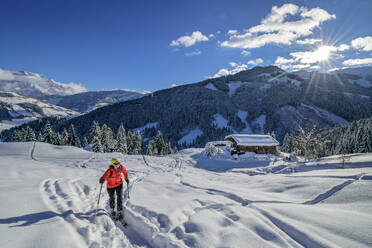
(49, 195)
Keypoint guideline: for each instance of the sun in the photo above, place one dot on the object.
(322, 53)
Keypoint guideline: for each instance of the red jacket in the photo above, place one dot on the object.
(113, 176)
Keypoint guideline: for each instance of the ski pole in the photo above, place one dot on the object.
(128, 190)
(99, 197)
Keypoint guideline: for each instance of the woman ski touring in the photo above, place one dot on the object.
(115, 185)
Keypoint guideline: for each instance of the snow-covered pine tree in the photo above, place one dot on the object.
(151, 148)
(23, 135)
(168, 148)
(108, 141)
(175, 149)
(40, 137)
(16, 136)
(310, 144)
(58, 139)
(30, 134)
(48, 133)
(369, 135)
(96, 144)
(130, 142)
(74, 139)
(287, 143)
(65, 137)
(159, 143)
(85, 142)
(95, 131)
(121, 139)
(137, 144)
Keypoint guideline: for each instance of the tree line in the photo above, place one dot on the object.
(355, 137)
(101, 139)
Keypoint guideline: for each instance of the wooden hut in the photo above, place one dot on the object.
(260, 144)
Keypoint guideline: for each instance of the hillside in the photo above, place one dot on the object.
(16, 110)
(35, 85)
(88, 101)
(260, 100)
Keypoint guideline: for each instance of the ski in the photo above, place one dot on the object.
(117, 219)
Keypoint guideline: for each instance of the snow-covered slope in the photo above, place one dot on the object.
(88, 101)
(35, 85)
(16, 110)
(360, 71)
(49, 197)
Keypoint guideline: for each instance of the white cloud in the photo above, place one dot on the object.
(233, 64)
(218, 32)
(174, 85)
(245, 53)
(280, 61)
(232, 32)
(308, 41)
(310, 57)
(334, 69)
(343, 47)
(188, 41)
(255, 62)
(6, 75)
(274, 28)
(358, 61)
(235, 69)
(194, 53)
(362, 43)
(211, 36)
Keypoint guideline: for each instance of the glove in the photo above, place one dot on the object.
(127, 180)
(101, 180)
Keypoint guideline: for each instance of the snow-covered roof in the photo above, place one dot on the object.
(253, 140)
(219, 142)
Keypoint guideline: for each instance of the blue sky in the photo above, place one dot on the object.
(151, 45)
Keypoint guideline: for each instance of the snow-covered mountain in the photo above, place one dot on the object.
(259, 100)
(49, 199)
(71, 96)
(35, 85)
(16, 110)
(362, 76)
(88, 101)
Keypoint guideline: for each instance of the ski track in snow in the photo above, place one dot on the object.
(73, 202)
(63, 196)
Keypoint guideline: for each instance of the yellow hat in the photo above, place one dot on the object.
(115, 160)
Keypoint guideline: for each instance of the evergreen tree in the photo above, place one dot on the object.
(23, 135)
(16, 136)
(40, 137)
(74, 139)
(85, 142)
(151, 148)
(48, 133)
(30, 134)
(130, 142)
(121, 138)
(95, 131)
(96, 145)
(287, 144)
(175, 149)
(168, 148)
(137, 143)
(58, 139)
(65, 137)
(160, 144)
(108, 141)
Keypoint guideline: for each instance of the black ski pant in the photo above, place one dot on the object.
(119, 195)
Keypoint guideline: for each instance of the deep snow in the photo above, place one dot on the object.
(48, 197)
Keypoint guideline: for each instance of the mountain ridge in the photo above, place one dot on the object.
(260, 100)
